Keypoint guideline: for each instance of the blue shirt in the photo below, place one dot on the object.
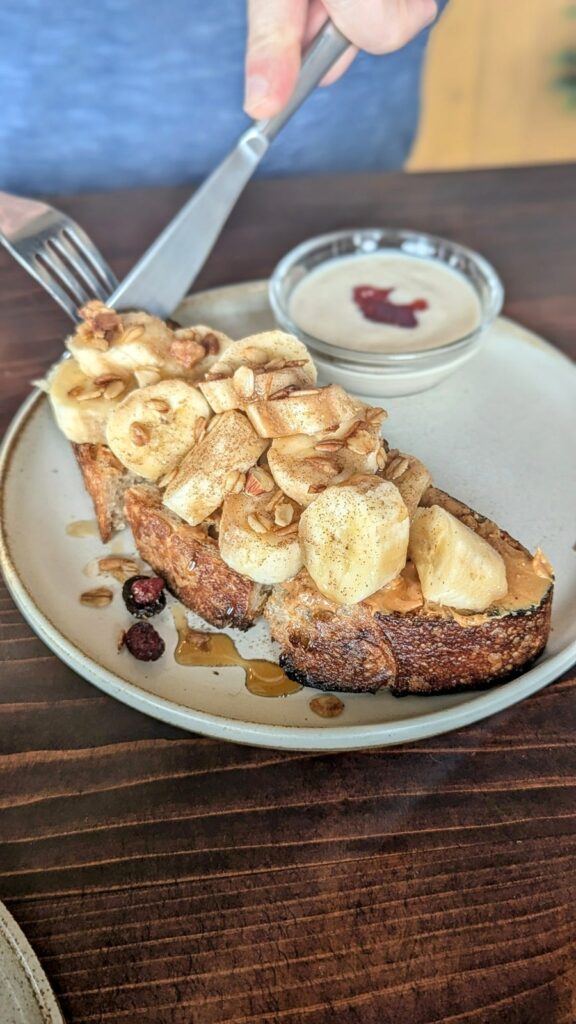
(115, 93)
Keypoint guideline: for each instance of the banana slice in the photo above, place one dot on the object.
(258, 540)
(248, 384)
(305, 411)
(82, 405)
(128, 342)
(456, 566)
(270, 347)
(203, 478)
(355, 538)
(410, 477)
(304, 466)
(154, 427)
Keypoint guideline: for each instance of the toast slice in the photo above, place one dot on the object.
(187, 557)
(395, 639)
(106, 480)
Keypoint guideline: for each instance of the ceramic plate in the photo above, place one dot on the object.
(25, 995)
(500, 434)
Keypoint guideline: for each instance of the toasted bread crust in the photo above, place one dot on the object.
(361, 649)
(106, 480)
(189, 560)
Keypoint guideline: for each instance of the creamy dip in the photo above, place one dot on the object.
(437, 303)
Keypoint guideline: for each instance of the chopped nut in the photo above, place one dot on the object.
(132, 334)
(295, 362)
(361, 442)
(258, 481)
(302, 392)
(89, 393)
(99, 597)
(324, 465)
(396, 468)
(234, 482)
(329, 446)
(287, 531)
(283, 514)
(243, 382)
(380, 458)
(327, 706)
(139, 434)
(259, 523)
(159, 404)
(114, 389)
(147, 375)
(187, 352)
(199, 428)
(316, 488)
(276, 364)
(282, 392)
(256, 355)
(102, 324)
(276, 497)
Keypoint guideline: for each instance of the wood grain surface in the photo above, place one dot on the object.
(164, 878)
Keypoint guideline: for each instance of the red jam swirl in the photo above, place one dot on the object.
(376, 305)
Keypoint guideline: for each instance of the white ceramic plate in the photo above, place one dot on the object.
(500, 434)
(25, 995)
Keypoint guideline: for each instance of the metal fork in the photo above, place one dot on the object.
(55, 251)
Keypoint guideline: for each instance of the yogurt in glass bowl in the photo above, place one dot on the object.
(384, 311)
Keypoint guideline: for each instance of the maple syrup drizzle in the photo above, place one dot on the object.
(83, 528)
(195, 647)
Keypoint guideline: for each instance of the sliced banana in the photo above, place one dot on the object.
(82, 405)
(254, 543)
(456, 566)
(306, 411)
(247, 384)
(304, 466)
(355, 538)
(202, 479)
(128, 342)
(270, 347)
(410, 476)
(154, 427)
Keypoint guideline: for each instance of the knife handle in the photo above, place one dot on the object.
(321, 55)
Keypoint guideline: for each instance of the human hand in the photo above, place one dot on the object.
(278, 30)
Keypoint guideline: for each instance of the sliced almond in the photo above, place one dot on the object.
(258, 481)
(89, 393)
(283, 514)
(255, 523)
(99, 597)
(329, 446)
(243, 382)
(139, 434)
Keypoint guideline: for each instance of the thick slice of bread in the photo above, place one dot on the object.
(187, 557)
(393, 639)
(106, 480)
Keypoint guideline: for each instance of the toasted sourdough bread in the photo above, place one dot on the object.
(394, 640)
(187, 557)
(391, 640)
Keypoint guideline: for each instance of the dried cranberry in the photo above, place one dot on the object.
(376, 306)
(144, 642)
(144, 596)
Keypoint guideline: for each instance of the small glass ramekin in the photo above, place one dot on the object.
(390, 373)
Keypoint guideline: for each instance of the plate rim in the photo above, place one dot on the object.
(270, 735)
(31, 967)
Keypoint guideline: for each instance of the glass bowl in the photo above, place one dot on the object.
(394, 372)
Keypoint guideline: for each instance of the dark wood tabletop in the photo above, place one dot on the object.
(165, 878)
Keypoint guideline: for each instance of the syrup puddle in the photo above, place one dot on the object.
(263, 678)
(83, 528)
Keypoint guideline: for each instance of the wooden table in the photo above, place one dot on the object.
(170, 879)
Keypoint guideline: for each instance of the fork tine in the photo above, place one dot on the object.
(86, 247)
(80, 265)
(52, 262)
(52, 286)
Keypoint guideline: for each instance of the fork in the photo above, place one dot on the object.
(55, 251)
